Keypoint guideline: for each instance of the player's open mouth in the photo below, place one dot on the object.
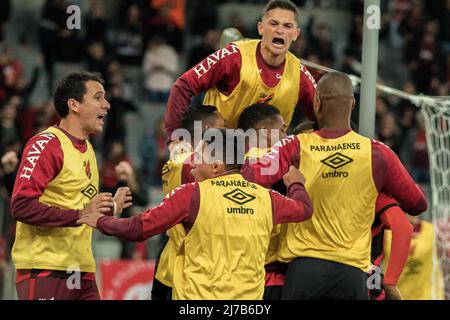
(278, 42)
(101, 118)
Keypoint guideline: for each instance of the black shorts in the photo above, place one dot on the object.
(159, 290)
(272, 293)
(313, 279)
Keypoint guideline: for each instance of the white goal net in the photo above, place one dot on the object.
(436, 111)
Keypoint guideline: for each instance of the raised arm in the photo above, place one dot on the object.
(221, 66)
(307, 92)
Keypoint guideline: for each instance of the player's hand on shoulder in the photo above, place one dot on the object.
(124, 171)
(293, 176)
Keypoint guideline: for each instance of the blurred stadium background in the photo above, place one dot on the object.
(141, 46)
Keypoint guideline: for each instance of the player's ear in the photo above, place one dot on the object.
(297, 34)
(260, 28)
(73, 105)
(353, 103)
(216, 167)
(317, 103)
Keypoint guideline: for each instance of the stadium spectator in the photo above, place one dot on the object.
(160, 68)
(5, 15)
(51, 21)
(415, 151)
(154, 153)
(129, 40)
(388, 132)
(206, 16)
(210, 43)
(97, 25)
(9, 129)
(96, 58)
(115, 126)
(127, 177)
(320, 41)
(116, 153)
(167, 22)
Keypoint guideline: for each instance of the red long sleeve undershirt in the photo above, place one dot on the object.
(181, 206)
(225, 74)
(41, 162)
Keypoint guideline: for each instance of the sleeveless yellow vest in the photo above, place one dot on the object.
(60, 248)
(251, 89)
(339, 181)
(171, 172)
(222, 256)
(171, 178)
(416, 280)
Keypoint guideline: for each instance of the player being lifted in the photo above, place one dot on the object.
(248, 72)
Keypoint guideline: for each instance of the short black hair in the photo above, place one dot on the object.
(281, 4)
(196, 113)
(255, 113)
(73, 86)
(232, 151)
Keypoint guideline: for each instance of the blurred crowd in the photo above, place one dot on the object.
(163, 38)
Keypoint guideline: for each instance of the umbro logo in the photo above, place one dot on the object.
(238, 196)
(90, 191)
(336, 161)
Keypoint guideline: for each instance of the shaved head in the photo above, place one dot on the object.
(334, 100)
(335, 84)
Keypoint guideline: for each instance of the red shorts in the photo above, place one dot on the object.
(57, 288)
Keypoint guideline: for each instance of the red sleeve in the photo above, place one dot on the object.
(221, 69)
(395, 180)
(294, 207)
(307, 92)
(395, 220)
(270, 168)
(174, 209)
(398, 183)
(41, 162)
